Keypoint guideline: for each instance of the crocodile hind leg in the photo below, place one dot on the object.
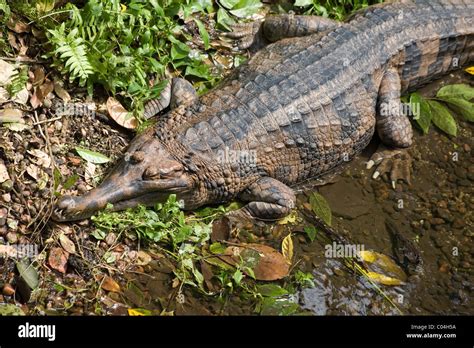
(177, 92)
(255, 35)
(268, 199)
(394, 130)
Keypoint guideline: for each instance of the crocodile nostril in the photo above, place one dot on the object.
(138, 156)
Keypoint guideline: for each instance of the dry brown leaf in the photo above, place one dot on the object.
(109, 284)
(220, 230)
(43, 159)
(89, 172)
(46, 88)
(270, 265)
(37, 98)
(4, 176)
(61, 92)
(287, 248)
(6, 72)
(34, 171)
(11, 115)
(67, 244)
(39, 76)
(118, 113)
(18, 26)
(58, 259)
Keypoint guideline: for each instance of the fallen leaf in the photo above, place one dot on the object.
(17, 127)
(220, 229)
(320, 207)
(120, 115)
(7, 70)
(58, 259)
(67, 244)
(289, 219)
(33, 171)
(38, 78)
(287, 248)
(143, 258)
(266, 262)
(109, 284)
(22, 96)
(28, 273)
(11, 115)
(383, 279)
(4, 176)
(133, 312)
(92, 156)
(382, 264)
(16, 25)
(470, 70)
(61, 92)
(89, 172)
(43, 159)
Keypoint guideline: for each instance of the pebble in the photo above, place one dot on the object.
(445, 214)
(444, 266)
(110, 238)
(6, 198)
(7, 185)
(3, 216)
(8, 290)
(466, 148)
(436, 221)
(12, 237)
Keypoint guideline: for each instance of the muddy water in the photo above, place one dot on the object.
(435, 213)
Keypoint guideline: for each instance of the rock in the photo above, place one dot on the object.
(110, 238)
(458, 223)
(8, 290)
(7, 185)
(6, 198)
(444, 266)
(466, 148)
(436, 221)
(12, 237)
(445, 214)
(3, 216)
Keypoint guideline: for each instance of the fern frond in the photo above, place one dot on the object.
(18, 82)
(71, 50)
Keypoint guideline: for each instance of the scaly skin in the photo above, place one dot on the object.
(298, 109)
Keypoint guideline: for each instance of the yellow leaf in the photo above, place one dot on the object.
(289, 219)
(470, 70)
(139, 312)
(287, 248)
(382, 279)
(123, 8)
(368, 256)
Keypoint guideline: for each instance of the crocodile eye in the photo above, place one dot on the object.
(151, 173)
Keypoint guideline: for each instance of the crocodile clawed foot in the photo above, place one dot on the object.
(395, 162)
(247, 35)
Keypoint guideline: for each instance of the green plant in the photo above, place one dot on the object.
(18, 81)
(337, 9)
(457, 97)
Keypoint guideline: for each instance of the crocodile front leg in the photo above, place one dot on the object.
(256, 35)
(269, 199)
(177, 92)
(394, 130)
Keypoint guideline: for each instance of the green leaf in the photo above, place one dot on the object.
(421, 111)
(456, 91)
(246, 8)
(201, 71)
(70, 181)
(462, 107)
(237, 276)
(442, 118)
(203, 33)
(28, 273)
(271, 290)
(98, 234)
(311, 231)
(320, 207)
(91, 156)
(302, 3)
(229, 4)
(10, 310)
(217, 248)
(224, 19)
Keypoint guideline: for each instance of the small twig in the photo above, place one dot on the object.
(48, 120)
(24, 60)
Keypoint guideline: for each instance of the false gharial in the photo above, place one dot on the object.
(309, 99)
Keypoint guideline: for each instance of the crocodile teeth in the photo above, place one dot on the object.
(394, 184)
(370, 164)
(376, 175)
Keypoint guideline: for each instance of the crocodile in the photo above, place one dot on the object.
(309, 100)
